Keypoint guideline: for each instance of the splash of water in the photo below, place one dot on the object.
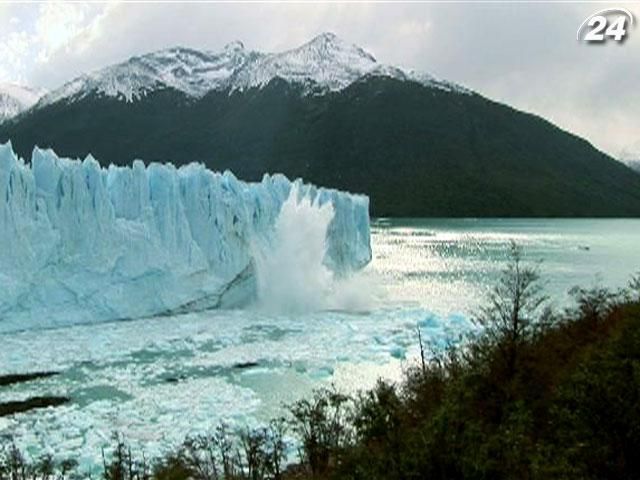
(291, 273)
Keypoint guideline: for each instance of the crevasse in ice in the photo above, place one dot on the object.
(81, 243)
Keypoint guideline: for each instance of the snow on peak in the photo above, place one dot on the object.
(15, 99)
(630, 156)
(630, 153)
(325, 63)
(190, 71)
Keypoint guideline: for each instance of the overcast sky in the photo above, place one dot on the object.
(524, 54)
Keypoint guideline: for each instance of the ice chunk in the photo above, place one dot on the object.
(81, 243)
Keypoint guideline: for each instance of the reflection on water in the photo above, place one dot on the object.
(446, 265)
(157, 380)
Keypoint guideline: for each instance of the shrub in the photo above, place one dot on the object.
(14, 466)
(323, 426)
(514, 310)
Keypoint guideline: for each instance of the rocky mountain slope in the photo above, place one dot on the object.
(15, 99)
(330, 113)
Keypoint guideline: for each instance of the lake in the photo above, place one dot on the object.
(159, 379)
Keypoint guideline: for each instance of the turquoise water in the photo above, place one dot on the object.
(447, 264)
(157, 380)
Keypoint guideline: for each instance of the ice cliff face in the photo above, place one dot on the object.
(85, 244)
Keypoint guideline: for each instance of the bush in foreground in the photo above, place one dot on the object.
(534, 396)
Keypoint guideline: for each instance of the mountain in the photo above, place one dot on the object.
(631, 156)
(324, 64)
(15, 99)
(330, 113)
(634, 165)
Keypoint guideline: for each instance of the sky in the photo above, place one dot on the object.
(522, 54)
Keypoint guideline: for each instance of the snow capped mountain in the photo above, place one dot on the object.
(635, 165)
(186, 70)
(326, 63)
(15, 99)
(345, 121)
(630, 152)
(631, 156)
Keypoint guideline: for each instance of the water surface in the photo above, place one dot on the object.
(157, 380)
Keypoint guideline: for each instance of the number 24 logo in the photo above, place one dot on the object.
(600, 28)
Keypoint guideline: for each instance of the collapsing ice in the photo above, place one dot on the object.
(81, 243)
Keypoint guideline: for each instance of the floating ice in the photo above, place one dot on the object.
(81, 243)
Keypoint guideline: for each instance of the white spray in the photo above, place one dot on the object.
(291, 274)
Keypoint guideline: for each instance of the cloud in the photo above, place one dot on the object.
(37, 33)
(56, 25)
(525, 55)
(14, 48)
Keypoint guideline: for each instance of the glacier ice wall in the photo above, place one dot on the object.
(80, 243)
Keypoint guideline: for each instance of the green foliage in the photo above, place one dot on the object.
(323, 425)
(244, 455)
(513, 313)
(122, 465)
(378, 412)
(569, 409)
(595, 303)
(264, 450)
(14, 466)
(634, 288)
(596, 413)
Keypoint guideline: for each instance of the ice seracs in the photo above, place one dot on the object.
(88, 244)
(324, 64)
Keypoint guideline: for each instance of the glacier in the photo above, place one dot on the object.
(86, 244)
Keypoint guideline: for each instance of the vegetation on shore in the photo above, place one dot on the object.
(536, 395)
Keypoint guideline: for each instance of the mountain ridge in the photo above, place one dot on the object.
(325, 63)
(630, 156)
(416, 148)
(15, 99)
